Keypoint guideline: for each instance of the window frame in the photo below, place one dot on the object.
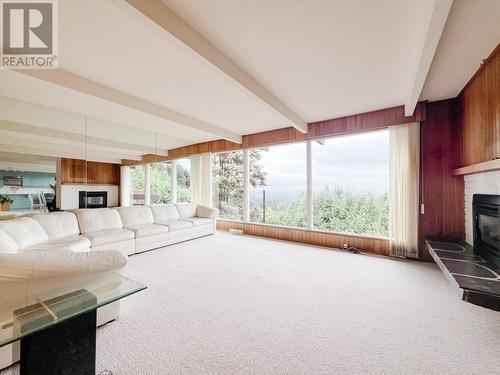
(246, 187)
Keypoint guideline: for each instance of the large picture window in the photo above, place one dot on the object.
(277, 189)
(348, 179)
(227, 184)
(350, 184)
(161, 183)
(183, 180)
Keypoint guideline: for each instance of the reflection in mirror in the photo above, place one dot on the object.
(41, 156)
(108, 144)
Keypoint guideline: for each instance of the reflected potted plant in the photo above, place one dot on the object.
(5, 202)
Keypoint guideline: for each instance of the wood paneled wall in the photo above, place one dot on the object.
(441, 193)
(76, 171)
(376, 245)
(460, 132)
(344, 125)
(479, 114)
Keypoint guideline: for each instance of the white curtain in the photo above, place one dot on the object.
(124, 186)
(404, 164)
(206, 179)
(201, 179)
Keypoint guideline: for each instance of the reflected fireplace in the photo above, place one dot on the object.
(486, 215)
(93, 199)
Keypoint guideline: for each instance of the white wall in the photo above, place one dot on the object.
(479, 183)
(70, 196)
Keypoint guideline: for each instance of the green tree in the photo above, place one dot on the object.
(227, 173)
(183, 184)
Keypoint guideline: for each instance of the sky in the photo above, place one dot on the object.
(358, 163)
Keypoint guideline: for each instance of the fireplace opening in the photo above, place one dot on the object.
(486, 216)
(93, 199)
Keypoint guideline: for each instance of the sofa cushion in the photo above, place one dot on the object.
(136, 215)
(197, 221)
(186, 210)
(75, 243)
(105, 237)
(164, 212)
(58, 224)
(25, 231)
(174, 225)
(7, 244)
(205, 211)
(98, 219)
(147, 230)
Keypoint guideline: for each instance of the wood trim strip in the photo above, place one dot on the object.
(487, 166)
(374, 245)
(344, 125)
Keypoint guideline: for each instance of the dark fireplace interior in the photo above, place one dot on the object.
(486, 215)
(93, 199)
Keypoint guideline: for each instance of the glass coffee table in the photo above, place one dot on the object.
(56, 328)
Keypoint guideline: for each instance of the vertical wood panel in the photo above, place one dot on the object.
(479, 114)
(441, 192)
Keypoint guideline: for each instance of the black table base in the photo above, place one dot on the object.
(68, 348)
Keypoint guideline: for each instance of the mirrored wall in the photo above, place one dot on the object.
(55, 160)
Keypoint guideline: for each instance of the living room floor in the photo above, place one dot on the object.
(230, 304)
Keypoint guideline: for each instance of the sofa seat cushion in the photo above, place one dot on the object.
(105, 237)
(147, 230)
(75, 243)
(198, 221)
(174, 225)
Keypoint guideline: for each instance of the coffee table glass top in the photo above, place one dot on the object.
(44, 306)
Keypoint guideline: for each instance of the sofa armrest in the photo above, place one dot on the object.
(207, 212)
(54, 264)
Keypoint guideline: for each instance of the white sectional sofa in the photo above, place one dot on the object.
(128, 229)
(87, 242)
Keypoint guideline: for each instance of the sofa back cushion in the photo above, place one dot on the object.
(97, 219)
(186, 210)
(164, 212)
(25, 231)
(136, 215)
(58, 224)
(7, 244)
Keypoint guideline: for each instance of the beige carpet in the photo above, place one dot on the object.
(229, 304)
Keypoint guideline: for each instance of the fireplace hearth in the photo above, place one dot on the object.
(486, 221)
(474, 270)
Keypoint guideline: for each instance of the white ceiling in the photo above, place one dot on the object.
(471, 33)
(324, 58)
(321, 59)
